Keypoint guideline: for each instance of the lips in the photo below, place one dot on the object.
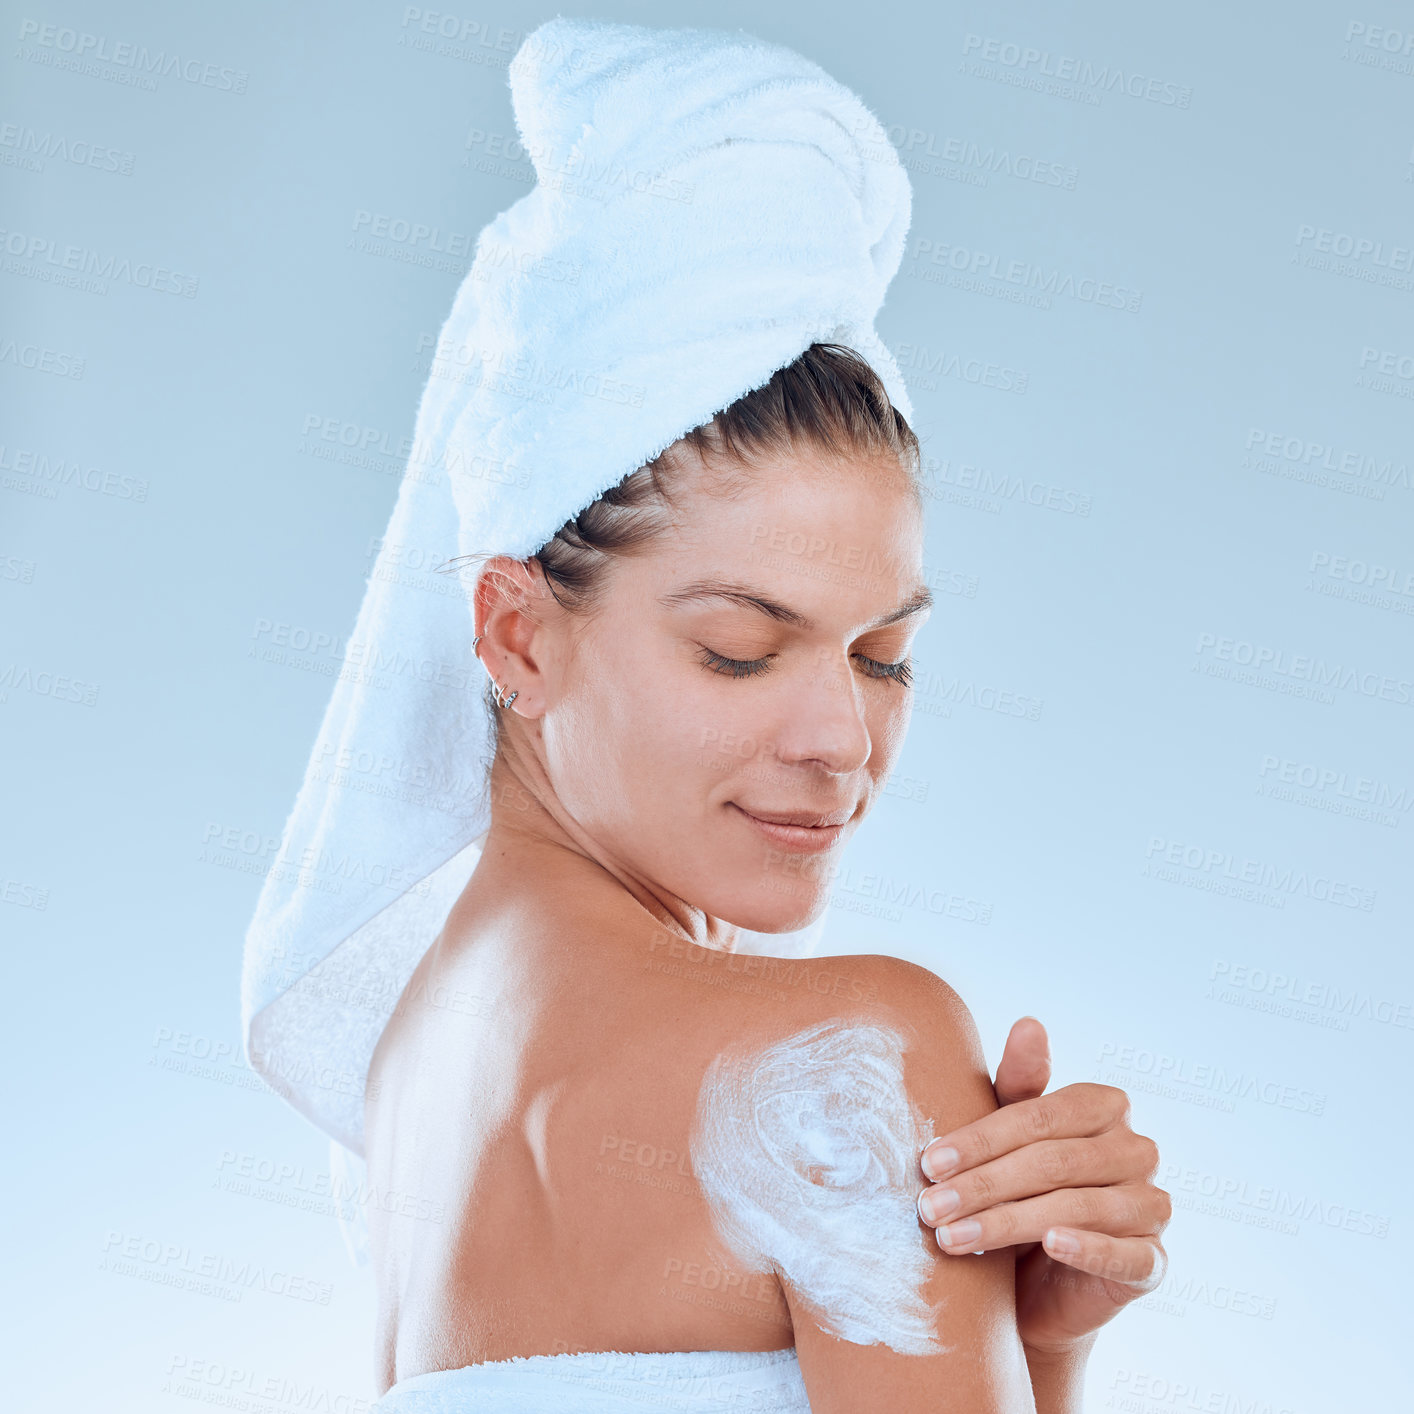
(799, 831)
(810, 819)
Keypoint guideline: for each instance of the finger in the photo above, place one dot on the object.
(1024, 1070)
(1136, 1262)
(1071, 1112)
(1116, 1156)
(1121, 1210)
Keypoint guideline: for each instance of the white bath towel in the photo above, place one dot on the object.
(612, 1382)
(706, 206)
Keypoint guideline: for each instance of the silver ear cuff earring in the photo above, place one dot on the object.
(500, 698)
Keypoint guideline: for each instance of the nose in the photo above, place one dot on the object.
(826, 722)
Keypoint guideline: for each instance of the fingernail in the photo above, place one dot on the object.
(959, 1234)
(932, 1206)
(937, 1163)
(1058, 1241)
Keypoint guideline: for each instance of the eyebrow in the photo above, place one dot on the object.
(745, 594)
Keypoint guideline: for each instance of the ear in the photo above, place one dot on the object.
(513, 614)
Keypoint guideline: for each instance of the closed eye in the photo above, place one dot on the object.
(900, 672)
(734, 667)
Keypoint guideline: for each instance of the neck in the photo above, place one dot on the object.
(535, 843)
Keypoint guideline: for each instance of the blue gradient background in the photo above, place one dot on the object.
(203, 517)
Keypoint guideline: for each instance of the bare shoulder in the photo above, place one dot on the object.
(872, 1035)
(912, 990)
(806, 1147)
(942, 1050)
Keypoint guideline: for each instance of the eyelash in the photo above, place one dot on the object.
(900, 672)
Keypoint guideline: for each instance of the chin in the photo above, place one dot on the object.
(777, 913)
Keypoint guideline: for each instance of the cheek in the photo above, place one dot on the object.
(888, 726)
(624, 741)
(675, 766)
(725, 736)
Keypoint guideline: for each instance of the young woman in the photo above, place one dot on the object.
(645, 1145)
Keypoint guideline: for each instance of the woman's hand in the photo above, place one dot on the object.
(1045, 1171)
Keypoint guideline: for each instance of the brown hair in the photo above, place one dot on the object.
(829, 398)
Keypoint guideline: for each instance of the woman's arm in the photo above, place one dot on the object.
(1058, 1381)
(1044, 1167)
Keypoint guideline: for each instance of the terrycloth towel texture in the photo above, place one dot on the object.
(692, 1382)
(706, 206)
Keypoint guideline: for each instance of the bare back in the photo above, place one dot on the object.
(529, 1122)
(532, 1115)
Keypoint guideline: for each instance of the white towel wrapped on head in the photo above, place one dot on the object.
(707, 205)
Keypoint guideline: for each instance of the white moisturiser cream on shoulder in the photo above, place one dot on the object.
(807, 1152)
